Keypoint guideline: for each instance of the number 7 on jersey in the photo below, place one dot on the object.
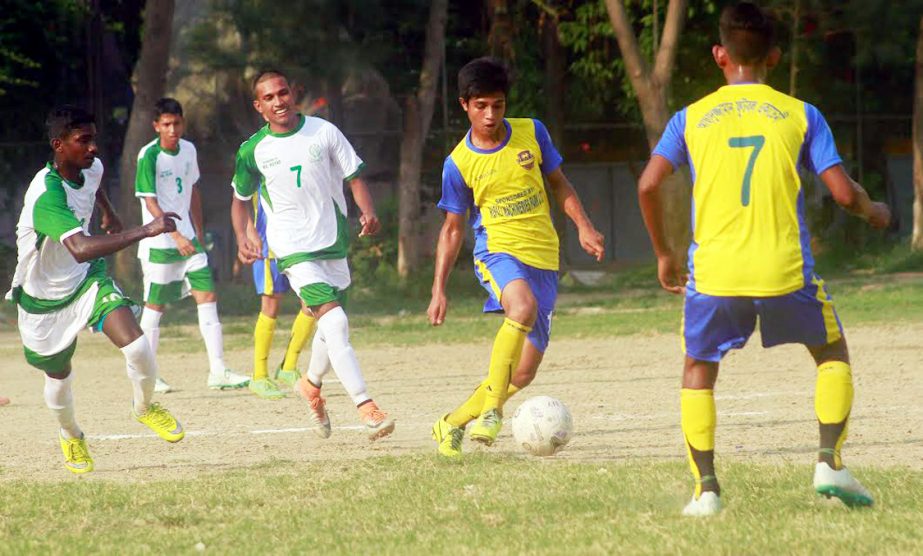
(757, 142)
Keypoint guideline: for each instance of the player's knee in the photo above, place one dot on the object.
(523, 310)
(699, 375)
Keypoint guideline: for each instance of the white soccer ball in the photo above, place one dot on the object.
(542, 425)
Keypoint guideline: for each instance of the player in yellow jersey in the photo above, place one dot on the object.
(494, 179)
(750, 255)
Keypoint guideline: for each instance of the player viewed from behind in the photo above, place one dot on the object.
(60, 284)
(271, 285)
(494, 180)
(297, 166)
(175, 264)
(750, 255)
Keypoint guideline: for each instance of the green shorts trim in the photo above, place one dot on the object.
(167, 256)
(36, 306)
(200, 280)
(320, 293)
(51, 364)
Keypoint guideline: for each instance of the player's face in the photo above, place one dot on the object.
(275, 103)
(485, 113)
(78, 148)
(170, 128)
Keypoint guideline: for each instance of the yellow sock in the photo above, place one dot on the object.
(699, 419)
(503, 359)
(471, 409)
(262, 342)
(833, 399)
(302, 331)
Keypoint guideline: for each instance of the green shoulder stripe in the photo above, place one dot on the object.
(51, 216)
(247, 176)
(146, 175)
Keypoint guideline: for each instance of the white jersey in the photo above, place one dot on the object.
(169, 176)
(299, 177)
(54, 210)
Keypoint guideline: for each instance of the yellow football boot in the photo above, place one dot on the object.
(449, 438)
(76, 455)
(487, 427)
(159, 420)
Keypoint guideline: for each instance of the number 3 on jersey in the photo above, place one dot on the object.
(179, 185)
(757, 142)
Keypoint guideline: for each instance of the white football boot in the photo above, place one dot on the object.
(227, 380)
(841, 484)
(161, 386)
(708, 503)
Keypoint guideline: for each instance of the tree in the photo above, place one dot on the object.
(150, 78)
(651, 86)
(418, 114)
(917, 238)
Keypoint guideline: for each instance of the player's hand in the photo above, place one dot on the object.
(163, 224)
(110, 222)
(249, 248)
(592, 242)
(185, 247)
(670, 273)
(880, 216)
(438, 307)
(370, 224)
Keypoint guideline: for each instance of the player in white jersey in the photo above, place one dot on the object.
(60, 285)
(297, 166)
(175, 264)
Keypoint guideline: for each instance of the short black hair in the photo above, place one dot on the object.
(64, 119)
(167, 105)
(264, 75)
(483, 76)
(747, 32)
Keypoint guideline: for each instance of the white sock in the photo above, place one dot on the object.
(335, 327)
(142, 372)
(210, 327)
(150, 325)
(60, 400)
(320, 362)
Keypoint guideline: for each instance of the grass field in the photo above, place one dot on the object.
(617, 489)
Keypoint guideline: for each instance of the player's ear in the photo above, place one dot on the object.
(720, 54)
(256, 105)
(56, 144)
(464, 103)
(772, 59)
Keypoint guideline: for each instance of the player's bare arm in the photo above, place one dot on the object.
(591, 240)
(86, 248)
(195, 213)
(370, 223)
(249, 245)
(109, 220)
(853, 198)
(669, 269)
(183, 244)
(451, 237)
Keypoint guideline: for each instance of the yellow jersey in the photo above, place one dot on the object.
(744, 145)
(503, 193)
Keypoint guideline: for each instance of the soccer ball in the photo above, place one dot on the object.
(542, 426)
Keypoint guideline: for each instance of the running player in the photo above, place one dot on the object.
(297, 166)
(60, 284)
(271, 285)
(750, 255)
(494, 178)
(175, 264)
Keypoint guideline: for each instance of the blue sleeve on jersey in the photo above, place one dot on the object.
(551, 158)
(819, 152)
(456, 195)
(672, 144)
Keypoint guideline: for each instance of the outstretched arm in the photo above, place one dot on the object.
(591, 240)
(363, 198)
(853, 198)
(451, 237)
(86, 248)
(669, 272)
(249, 244)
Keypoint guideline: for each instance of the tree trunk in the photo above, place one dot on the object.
(650, 86)
(917, 239)
(555, 73)
(500, 38)
(794, 55)
(418, 114)
(150, 80)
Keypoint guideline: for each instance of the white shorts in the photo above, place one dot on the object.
(168, 282)
(321, 281)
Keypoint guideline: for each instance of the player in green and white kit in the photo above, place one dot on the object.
(175, 264)
(297, 166)
(60, 284)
